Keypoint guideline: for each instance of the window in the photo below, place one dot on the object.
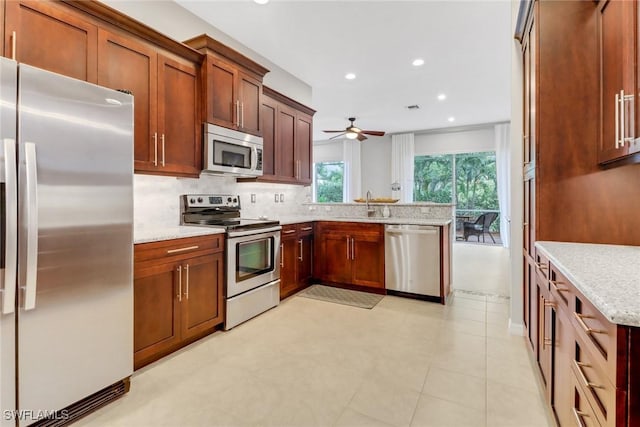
(328, 182)
(433, 179)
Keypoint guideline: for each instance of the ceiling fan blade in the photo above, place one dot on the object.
(337, 136)
(361, 137)
(373, 132)
(333, 131)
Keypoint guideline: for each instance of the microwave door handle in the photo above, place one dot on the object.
(254, 158)
(11, 227)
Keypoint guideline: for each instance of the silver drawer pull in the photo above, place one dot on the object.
(579, 414)
(288, 231)
(541, 266)
(306, 229)
(189, 248)
(588, 330)
(583, 377)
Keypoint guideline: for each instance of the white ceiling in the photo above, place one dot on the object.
(465, 44)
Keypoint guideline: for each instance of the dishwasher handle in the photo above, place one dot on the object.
(422, 230)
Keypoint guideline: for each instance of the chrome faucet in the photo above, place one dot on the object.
(370, 211)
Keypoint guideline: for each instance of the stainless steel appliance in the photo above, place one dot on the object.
(229, 152)
(412, 260)
(66, 172)
(252, 283)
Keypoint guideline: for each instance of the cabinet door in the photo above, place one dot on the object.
(156, 324)
(202, 281)
(178, 118)
(616, 21)
(563, 353)
(222, 99)
(126, 64)
(305, 260)
(51, 37)
(250, 97)
(545, 333)
(303, 147)
(269, 114)
(288, 266)
(285, 143)
(336, 258)
(368, 260)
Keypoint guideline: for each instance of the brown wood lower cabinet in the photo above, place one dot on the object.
(296, 258)
(589, 366)
(178, 297)
(350, 254)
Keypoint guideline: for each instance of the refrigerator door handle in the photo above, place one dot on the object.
(32, 225)
(11, 227)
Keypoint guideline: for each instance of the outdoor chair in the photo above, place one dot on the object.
(480, 227)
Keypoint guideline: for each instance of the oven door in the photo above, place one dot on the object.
(252, 259)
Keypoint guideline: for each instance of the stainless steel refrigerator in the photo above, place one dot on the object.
(66, 172)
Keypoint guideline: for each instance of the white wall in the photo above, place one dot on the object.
(172, 20)
(515, 321)
(376, 166)
(327, 151)
(449, 142)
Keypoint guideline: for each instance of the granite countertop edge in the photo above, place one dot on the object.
(157, 234)
(598, 266)
(285, 220)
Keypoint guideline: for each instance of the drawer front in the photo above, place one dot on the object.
(561, 289)
(542, 264)
(583, 414)
(179, 248)
(597, 334)
(305, 228)
(596, 386)
(289, 230)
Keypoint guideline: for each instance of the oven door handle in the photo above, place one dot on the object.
(254, 232)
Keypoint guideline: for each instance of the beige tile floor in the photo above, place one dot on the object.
(481, 268)
(314, 363)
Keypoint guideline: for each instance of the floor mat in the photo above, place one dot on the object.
(341, 296)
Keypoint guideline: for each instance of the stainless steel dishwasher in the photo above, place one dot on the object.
(412, 260)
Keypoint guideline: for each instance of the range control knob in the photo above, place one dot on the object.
(199, 199)
(229, 199)
(235, 200)
(192, 200)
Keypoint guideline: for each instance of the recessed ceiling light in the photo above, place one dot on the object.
(350, 76)
(451, 119)
(261, 1)
(442, 97)
(418, 62)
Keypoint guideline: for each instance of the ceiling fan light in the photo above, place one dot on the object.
(351, 135)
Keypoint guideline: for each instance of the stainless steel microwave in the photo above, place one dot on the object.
(229, 152)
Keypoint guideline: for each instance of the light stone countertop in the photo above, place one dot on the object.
(284, 220)
(608, 275)
(155, 234)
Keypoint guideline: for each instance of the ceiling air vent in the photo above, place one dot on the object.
(413, 107)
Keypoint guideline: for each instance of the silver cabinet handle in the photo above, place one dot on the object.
(288, 231)
(622, 124)
(242, 114)
(11, 226)
(188, 248)
(179, 283)
(155, 149)
(579, 415)
(348, 252)
(237, 121)
(162, 137)
(186, 292)
(353, 248)
(300, 245)
(14, 43)
(617, 120)
(31, 275)
(281, 254)
(306, 229)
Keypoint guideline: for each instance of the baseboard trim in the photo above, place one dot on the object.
(516, 328)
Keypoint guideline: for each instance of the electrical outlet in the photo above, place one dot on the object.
(425, 210)
(276, 198)
(281, 197)
(253, 198)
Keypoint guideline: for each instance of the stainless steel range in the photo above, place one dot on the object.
(252, 283)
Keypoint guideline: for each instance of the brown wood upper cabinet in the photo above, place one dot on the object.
(232, 86)
(350, 253)
(51, 36)
(617, 26)
(288, 139)
(166, 114)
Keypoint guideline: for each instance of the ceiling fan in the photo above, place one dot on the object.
(353, 132)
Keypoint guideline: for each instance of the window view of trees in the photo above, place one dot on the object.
(329, 182)
(433, 179)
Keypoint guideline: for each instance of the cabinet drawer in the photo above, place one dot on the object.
(561, 289)
(305, 228)
(581, 410)
(289, 230)
(596, 386)
(597, 333)
(178, 248)
(542, 265)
